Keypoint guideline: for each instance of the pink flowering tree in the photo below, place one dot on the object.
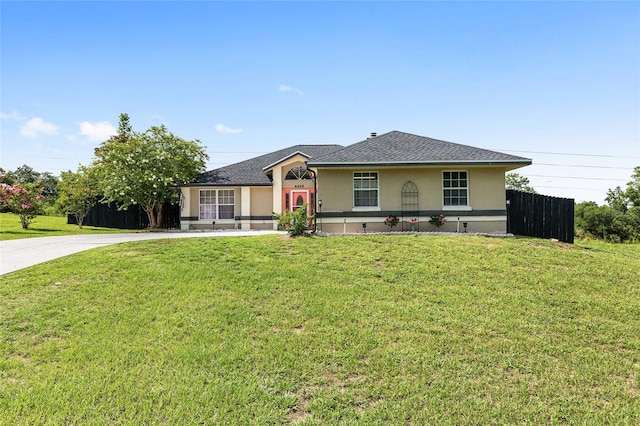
(21, 199)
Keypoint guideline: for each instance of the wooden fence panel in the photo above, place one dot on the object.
(108, 216)
(540, 216)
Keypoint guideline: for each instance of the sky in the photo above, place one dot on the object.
(557, 82)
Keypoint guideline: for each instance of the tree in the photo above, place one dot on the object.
(619, 220)
(21, 199)
(27, 175)
(78, 192)
(23, 174)
(617, 199)
(518, 182)
(145, 168)
(633, 188)
(622, 200)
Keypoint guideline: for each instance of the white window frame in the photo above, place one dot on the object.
(377, 189)
(445, 188)
(216, 197)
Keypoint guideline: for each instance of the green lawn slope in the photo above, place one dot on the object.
(46, 226)
(342, 330)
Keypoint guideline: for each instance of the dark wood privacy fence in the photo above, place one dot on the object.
(540, 216)
(108, 216)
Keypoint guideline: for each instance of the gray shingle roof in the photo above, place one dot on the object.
(405, 149)
(250, 172)
(393, 148)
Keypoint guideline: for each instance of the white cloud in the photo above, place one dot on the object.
(97, 131)
(12, 116)
(224, 129)
(38, 127)
(283, 88)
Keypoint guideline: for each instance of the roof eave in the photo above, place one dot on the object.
(293, 154)
(236, 184)
(418, 163)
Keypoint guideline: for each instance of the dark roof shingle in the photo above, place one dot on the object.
(250, 172)
(404, 149)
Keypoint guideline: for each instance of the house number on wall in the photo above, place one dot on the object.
(299, 186)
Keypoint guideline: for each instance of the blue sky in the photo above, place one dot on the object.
(558, 82)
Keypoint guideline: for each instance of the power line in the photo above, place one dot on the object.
(581, 165)
(578, 177)
(565, 153)
(573, 187)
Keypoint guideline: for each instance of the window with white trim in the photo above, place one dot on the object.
(455, 188)
(217, 204)
(365, 189)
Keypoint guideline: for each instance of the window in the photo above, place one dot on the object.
(365, 189)
(455, 188)
(298, 172)
(217, 204)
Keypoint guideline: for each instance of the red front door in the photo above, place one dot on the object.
(298, 199)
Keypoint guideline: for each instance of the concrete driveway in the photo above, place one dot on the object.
(22, 253)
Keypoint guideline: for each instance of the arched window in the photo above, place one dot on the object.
(298, 173)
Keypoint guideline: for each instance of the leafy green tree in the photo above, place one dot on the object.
(145, 168)
(617, 199)
(633, 188)
(619, 220)
(518, 182)
(23, 174)
(78, 192)
(27, 175)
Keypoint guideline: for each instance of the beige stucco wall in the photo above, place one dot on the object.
(486, 187)
(486, 193)
(261, 201)
(375, 224)
(192, 209)
(335, 189)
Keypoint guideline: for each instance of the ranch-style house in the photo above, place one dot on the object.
(355, 188)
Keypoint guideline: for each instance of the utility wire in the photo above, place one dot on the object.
(578, 177)
(581, 165)
(567, 153)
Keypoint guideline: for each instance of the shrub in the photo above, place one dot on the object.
(437, 220)
(23, 200)
(391, 221)
(295, 222)
(607, 223)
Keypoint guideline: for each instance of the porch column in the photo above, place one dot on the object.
(245, 207)
(185, 223)
(277, 193)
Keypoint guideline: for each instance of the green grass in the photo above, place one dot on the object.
(344, 330)
(45, 226)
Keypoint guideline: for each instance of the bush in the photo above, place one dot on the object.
(607, 223)
(295, 222)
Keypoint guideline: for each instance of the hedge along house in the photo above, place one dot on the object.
(400, 174)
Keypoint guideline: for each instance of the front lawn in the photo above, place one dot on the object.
(342, 330)
(45, 226)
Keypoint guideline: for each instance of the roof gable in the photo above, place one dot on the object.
(251, 172)
(399, 148)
